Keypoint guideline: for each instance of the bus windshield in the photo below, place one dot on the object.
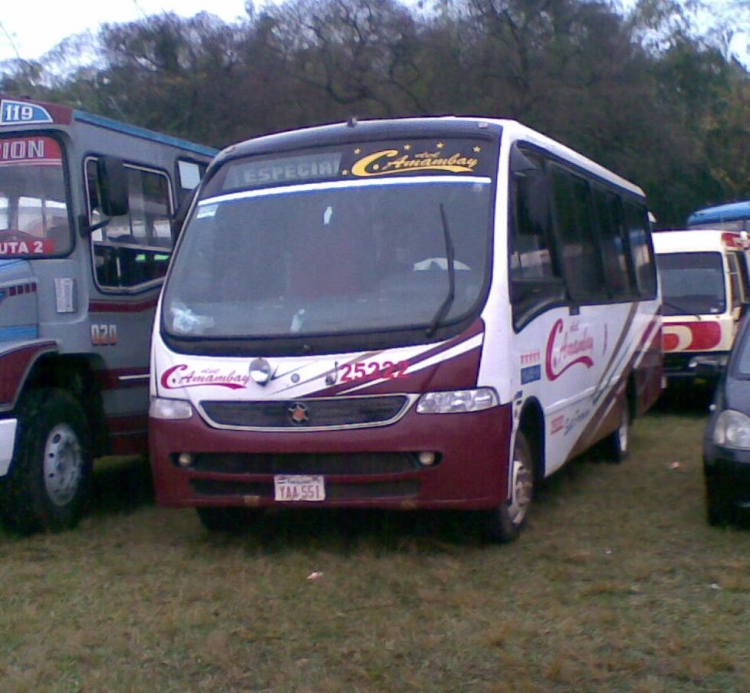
(331, 258)
(33, 207)
(692, 283)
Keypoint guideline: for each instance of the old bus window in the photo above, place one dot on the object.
(614, 244)
(580, 253)
(134, 248)
(534, 280)
(636, 223)
(33, 201)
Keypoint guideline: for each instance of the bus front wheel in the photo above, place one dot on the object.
(505, 523)
(50, 479)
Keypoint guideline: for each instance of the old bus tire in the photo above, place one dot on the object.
(505, 523)
(617, 444)
(49, 485)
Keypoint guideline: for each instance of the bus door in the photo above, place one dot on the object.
(130, 255)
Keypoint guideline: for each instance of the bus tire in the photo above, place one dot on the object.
(617, 443)
(505, 523)
(49, 484)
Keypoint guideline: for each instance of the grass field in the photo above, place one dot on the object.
(617, 584)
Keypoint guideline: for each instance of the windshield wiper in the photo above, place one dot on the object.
(450, 254)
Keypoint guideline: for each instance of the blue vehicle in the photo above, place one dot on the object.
(734, 216)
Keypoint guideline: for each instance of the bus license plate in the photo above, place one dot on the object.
(292, 488)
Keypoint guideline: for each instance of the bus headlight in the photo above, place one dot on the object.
(161, 408)
(457, 401)
(732, 430)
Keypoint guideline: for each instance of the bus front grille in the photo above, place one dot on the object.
(306, 463)
(305, 414)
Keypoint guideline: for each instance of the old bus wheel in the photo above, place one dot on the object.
(50, 479)
(505, 523)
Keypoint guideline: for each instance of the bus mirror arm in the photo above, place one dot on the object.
(86, 228)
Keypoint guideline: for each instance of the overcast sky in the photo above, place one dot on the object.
(30, 28)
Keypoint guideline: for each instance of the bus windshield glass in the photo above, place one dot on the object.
(692, 283)
(332, 258)
(33, 209)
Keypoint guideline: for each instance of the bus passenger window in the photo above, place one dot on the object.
(535, 281)
(584, 275)
(614, 244)
(636, 221)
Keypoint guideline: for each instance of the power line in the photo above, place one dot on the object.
(10, 40)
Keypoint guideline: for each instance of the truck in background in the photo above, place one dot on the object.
(705, 277)
(86, 232)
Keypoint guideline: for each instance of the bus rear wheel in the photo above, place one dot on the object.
(49, 485)
(505, 523)
(617, 443)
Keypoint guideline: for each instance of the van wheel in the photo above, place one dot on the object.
(617, 444)
(49, 484)
(506, 522)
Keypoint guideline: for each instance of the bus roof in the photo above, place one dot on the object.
(732, 211)
(422, 127)
(22, 112)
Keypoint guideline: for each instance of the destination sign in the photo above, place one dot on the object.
(366, 160)
(292, 169)
(29, 150)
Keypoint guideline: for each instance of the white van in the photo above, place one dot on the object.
(704, 276)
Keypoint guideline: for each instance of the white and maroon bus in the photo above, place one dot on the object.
(407, 314)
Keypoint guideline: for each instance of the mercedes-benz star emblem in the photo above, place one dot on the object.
(298, 413)
(260, 371)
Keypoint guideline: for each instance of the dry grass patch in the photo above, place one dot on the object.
(618, 584)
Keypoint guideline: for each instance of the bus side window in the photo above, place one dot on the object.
(534, 280)
(133, 248)
(641, 251)
(614, 242)
(581, 259)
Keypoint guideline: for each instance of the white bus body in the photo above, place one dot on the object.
(418, 313)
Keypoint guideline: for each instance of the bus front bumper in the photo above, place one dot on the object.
(379, 467)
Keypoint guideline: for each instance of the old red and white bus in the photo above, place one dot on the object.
(417, 313)
(705, 283)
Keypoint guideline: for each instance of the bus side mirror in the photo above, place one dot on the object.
(113, 186)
